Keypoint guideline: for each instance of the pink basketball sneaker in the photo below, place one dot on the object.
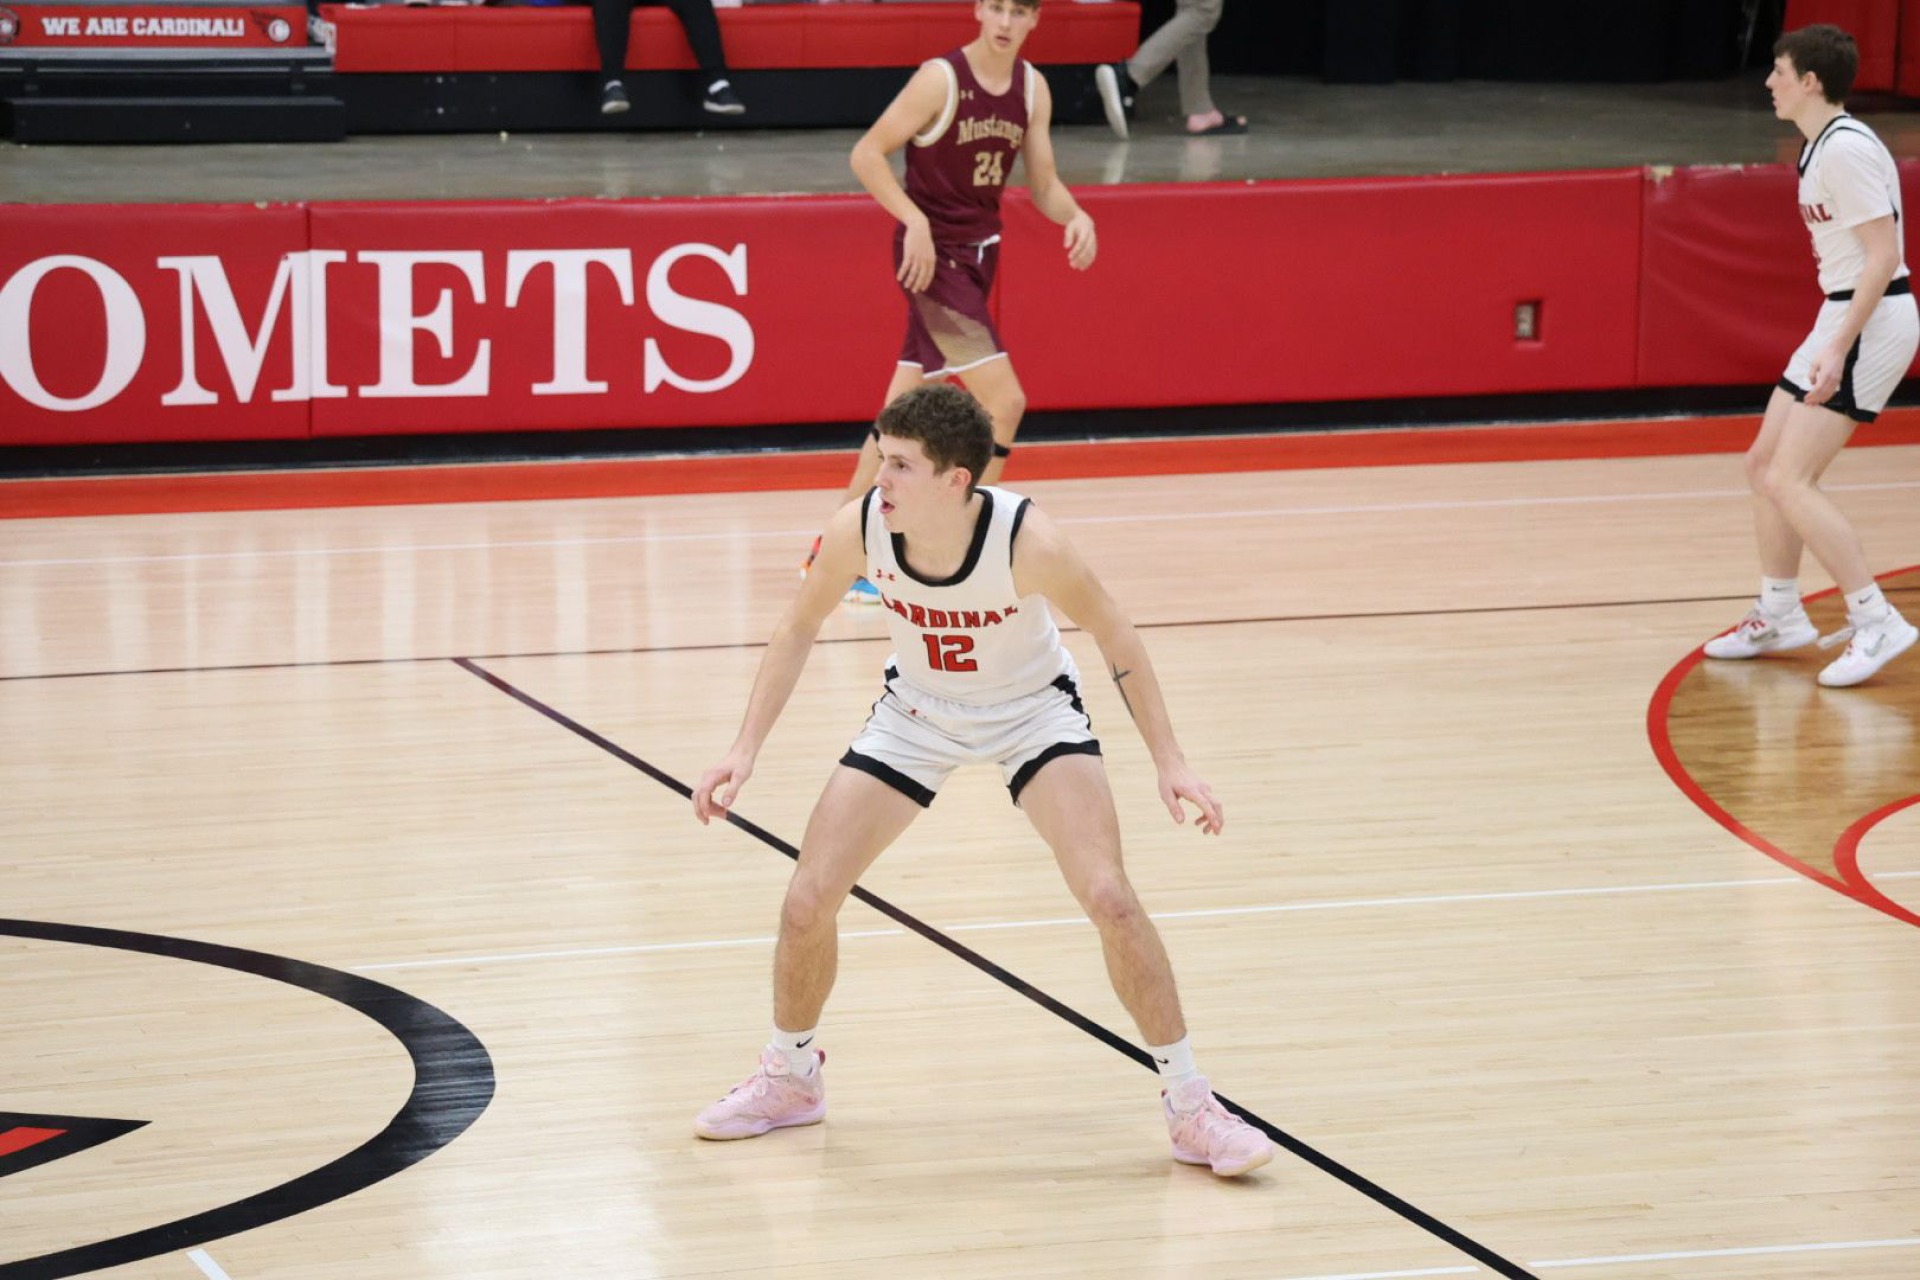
(771, 1098)
(1204, 1132)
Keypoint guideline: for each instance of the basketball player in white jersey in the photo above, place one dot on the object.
(1861, 347)
(979, 676)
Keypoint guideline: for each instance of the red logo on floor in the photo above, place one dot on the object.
(29, 1140)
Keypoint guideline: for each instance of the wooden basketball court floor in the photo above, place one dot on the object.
(356, 926)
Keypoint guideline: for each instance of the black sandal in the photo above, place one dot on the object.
(1229, 124)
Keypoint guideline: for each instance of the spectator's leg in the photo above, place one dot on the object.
(611, 22)
(1191, 21)
(703, 33)
(1195, 76)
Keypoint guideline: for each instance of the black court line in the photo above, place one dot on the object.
(1325, 1163)
(723, 646)
(453, 1083)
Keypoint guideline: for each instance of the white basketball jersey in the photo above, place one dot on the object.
(1846, 178)
(969, 638)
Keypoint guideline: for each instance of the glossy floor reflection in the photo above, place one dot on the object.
(1464, 936)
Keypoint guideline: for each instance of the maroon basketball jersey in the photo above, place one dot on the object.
(957, 169)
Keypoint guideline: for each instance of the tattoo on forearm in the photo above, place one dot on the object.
(1119, 678)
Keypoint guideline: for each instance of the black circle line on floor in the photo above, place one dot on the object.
(453, 1083)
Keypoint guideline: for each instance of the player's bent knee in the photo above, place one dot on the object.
(1779, 484)
(807, 908)
(1110, 900)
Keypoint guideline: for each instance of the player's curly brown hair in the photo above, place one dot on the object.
(945, 421)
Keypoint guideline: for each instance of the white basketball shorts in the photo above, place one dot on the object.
(1880, 358)
(913, 741)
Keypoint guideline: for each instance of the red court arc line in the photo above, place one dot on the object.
(409, 484)
(20, 1137)
(1659, 735)
(1846, 855)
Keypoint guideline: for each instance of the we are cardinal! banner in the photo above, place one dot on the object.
(152, 26)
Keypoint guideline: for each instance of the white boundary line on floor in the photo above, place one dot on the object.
(1344, 904)
(790, 535)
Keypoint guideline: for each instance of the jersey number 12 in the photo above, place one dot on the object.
(949, 653)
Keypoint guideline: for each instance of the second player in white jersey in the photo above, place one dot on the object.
(1847, 177)
(1848, 181)
(1862, 344)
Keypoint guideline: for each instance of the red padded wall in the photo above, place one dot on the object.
(87, 308)
(1729, 286)
(820, 303)
(1728, 270)
(1202, 294)
(1350, 289)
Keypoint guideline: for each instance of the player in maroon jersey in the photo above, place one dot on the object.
(963, 120)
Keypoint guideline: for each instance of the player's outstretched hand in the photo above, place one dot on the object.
(1183, 784)
(1082, 244)
(720, 787)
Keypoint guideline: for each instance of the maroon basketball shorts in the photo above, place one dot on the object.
(949, 329)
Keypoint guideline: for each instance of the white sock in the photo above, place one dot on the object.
(1867, 605)
(1779, 597)
(716, 86)
(797, 1048)
(1175, 1062)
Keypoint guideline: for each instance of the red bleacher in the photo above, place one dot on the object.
(781, 36)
